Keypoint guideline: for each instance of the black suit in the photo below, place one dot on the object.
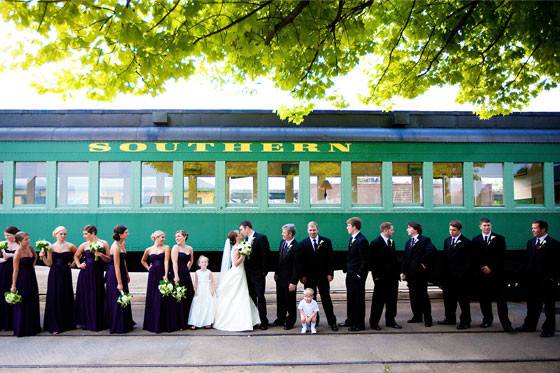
(458, 264)
(541, 276)
(315, 266)
(285, 275)
(416, 265)
(492, 286)
(356, 274)
(385, 272)
(256, 268)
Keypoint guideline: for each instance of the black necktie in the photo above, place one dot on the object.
(413, 242)
(389, 243)
(486, 240)
(314, 245)
(284, 248)
(538, 243)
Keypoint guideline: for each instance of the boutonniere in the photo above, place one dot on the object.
(320, 244)
(492, 237)
(543, 242)
(458, 242)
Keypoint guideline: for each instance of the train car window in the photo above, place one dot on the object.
(30, 184)
(199, 183)
(114, 183)
(448, 184)
(366, 183)
(72, 187)
(1, 183)
(407, 183)
(488, 179)
(157, 183)
(241, 183)
(283, 183)
(324, 182)
(557, 183)
(528, 186)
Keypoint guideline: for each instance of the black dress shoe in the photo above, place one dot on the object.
(394, 326)
(375, 327)
(463, 326)
(547, 334)
(277, 323)
(485, 324)
(414, 320)
(334, 327)
(524, 329)
(428, 324)
(509, 329)
(356, 328)
(288, 327)
(264, 327)
(446, 322)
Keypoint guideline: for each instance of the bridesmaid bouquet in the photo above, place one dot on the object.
(165, 288)
(12, 297)
(124, 299)
(96, 246)
(3, 245)
(245, 248)
(180, 293)
(43, 245)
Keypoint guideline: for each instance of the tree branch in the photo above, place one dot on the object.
(233, 23)
(165, 16)
(286, 21)
(42, 17)
(500, 33)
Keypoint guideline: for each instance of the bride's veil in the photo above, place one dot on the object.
(226, 257)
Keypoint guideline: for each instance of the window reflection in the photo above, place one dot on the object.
(283, 183)
(528, 188)
(366, 183)
(448, 184)
(325, 182)
(72, 184)
(199, 183)
(30, 184)
(557, 183)
(114, 183)
(241, 182)
(1, 183)
(407, 183)
(488, 181)
(157, 183)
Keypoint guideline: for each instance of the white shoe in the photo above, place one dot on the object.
(313, 331)
(303, 329)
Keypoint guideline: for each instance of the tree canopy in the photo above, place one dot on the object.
(500, 53)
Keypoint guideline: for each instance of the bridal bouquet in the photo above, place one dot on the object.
(43, 245)
(165, 288)
(96, 246)
(179, 293)
(245, 248)
(124, 299)
(12, 297)
(3, 245)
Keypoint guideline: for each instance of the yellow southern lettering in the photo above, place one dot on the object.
(272, 147)
(200, 146)
(344, 148)
(305, 147)
(237, 147)
(133, 147)
(162, 147)
(98, 147)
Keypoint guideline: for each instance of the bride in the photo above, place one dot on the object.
(235, 310)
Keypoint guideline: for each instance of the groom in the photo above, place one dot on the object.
(256, 267)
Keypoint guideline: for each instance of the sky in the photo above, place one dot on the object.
(199, 93)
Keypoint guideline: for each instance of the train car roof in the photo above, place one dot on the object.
(260, 125)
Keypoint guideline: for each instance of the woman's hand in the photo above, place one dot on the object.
(13, 288)
(83, 265)
(120, 287)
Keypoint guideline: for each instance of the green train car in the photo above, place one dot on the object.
(205, 171)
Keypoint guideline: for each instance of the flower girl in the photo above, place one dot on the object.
(203, 305)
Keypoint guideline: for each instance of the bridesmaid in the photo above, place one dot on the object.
(6, 270)
(26, 313)
(182, 259)
(59, 307)
(118, 318)
(90, 290)
(159, 313)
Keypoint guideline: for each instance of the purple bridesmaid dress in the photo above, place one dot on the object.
(90, 295)
(184, 307)
(118, 318)
(26, 313)
(160, 312)
(59, 307)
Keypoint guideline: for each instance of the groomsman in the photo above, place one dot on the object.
(417, 262)
(542, 275)
(256, 268)
(385, 273)
(286, 278)
(317, 268)
(356, 273)
(457, 267)
(491, 248)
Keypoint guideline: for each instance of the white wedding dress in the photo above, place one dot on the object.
(235, 311)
